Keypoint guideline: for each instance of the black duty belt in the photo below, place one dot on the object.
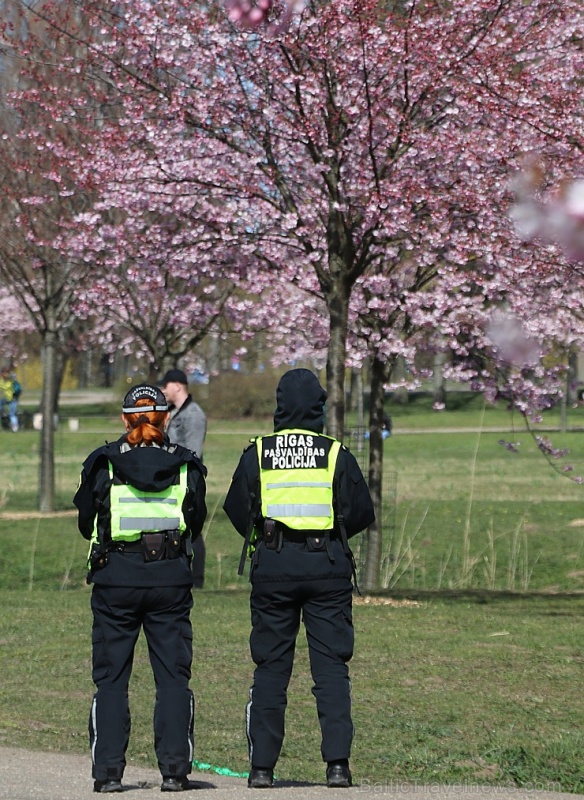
(153, 546)
(301, 536)
(274, 535)
(126, 547)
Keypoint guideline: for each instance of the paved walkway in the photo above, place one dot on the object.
(25, 775)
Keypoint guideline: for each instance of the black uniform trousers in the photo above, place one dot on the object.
(283, 593)
(118, 615)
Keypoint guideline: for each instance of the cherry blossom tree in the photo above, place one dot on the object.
(37, 207)
(153, 303)
(42, 279)
(363, 143)
(78, 282)
(163, 266)
(358, 156)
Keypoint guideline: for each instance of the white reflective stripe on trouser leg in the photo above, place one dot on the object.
(191, 727)
(94, 726)
(247, 725)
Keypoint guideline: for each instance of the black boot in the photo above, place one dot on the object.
(260, 778)
(338, 774)
(108, 786)
(173, 784)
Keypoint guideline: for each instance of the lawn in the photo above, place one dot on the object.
(461, 509)
(468, 668)
(444, 691)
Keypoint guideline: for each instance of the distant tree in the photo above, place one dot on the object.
(157, 306)
(38, 203)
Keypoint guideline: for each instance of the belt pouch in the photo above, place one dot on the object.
(316, 543)
(272, 535)
(173, 545)
(153, 546)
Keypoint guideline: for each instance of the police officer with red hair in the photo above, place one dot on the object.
(297, 496)
(141, 502)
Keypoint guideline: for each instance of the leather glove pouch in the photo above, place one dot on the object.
(153, 546)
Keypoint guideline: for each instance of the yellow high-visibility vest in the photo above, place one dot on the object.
(134, 512)
(297, 468)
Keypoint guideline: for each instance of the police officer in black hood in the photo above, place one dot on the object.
(141, 502)
(297, 496)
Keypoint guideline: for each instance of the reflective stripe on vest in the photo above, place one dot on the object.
(296, 478)
(134, 512)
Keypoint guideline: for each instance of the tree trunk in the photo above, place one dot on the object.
(400, 373)
(351, 400)
(573, 377)
(85, 369)
(62, 360)
(48, 405)
(213, 361)
(359, 390)
(379, 373)
(439, 393)
(338, 307)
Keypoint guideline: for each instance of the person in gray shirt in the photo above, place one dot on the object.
(188, 423)
(187, 427)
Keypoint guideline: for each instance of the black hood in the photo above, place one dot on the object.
(148, 469)
(300, 402)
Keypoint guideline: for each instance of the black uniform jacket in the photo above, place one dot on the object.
(149, 469)
(300, 405)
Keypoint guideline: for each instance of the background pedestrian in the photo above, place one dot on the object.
(187, 426)
(10, 391)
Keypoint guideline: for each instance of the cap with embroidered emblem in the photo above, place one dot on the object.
(144, 392)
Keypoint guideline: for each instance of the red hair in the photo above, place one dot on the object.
(146, 428)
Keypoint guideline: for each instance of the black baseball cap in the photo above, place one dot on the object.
(174, 376)
(140, 392)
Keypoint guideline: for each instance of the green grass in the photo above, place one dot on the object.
(466, 409)
(455, 691)
(474, 676)
(461, 510)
